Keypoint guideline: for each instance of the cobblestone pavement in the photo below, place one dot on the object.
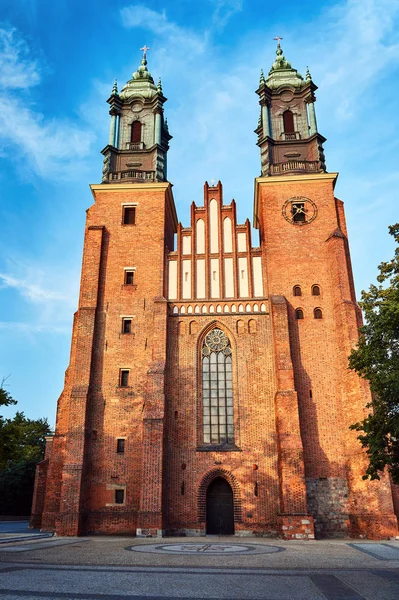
(113, 568)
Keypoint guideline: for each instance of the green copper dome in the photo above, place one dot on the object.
(141, 84)
(281, 73)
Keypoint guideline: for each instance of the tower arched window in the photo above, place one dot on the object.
(288, 120)
(299, 313)
(135, 136)
(318, 313)
(315, 290)
(217, 389)
(297, 290)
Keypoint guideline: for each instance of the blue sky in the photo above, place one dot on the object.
(58, 60)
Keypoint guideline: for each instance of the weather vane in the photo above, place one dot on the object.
(278, 38)
(144, 50)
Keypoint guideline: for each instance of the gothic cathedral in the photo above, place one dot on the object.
(208, 389)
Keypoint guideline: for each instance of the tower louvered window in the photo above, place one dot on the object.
(217, 389)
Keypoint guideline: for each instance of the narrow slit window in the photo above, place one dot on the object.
(299, 313)
(120, 445)
(126, 325)
(119, 496)
(129, 215)
(318, 313)
(124, 378)
(297, 290)
(129, 277)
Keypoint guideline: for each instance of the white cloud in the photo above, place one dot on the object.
(51, 146)
(224, 10)
(31, 328)
(49, 293)
(17, 69)
(157, 22)
(30, 289)
(358, 44)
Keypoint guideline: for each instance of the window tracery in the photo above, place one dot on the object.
(217, 389)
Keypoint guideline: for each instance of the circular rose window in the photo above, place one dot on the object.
(216, 340)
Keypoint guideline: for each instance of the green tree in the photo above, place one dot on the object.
(377, 359)
(22, 443)
(5, 398)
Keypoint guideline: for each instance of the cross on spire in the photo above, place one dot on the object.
(144, 50)
(213, 181)
(278, 39)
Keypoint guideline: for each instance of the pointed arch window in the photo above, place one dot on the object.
(288, 120)
(135, 136)
(217, 389)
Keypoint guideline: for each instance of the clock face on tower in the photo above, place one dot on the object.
(299, 210)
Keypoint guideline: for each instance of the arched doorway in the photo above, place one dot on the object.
(219, 508)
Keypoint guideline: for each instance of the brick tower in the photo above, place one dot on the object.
(306, 260)
(208, 389)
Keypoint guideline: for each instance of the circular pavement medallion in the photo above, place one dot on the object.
(193, 548)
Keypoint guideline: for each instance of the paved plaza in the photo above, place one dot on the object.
(35, 566)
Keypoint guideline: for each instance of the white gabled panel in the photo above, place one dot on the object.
(186, 244)
(200, 235)
(214, 233)
(241, 242)
(214, 275)
(186, 279)
(172, 287)
(228, 278)
(200, 283)
(243, 277)
(257, 276)
(227, 235)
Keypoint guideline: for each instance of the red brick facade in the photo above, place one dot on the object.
(287, 319)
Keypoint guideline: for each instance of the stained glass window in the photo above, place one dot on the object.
(217, 389)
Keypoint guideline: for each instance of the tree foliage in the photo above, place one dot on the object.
(5, 398)
(22, 443)
(377, 359)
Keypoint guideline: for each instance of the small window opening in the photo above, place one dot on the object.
(288, 119)
(256, 492)
(298, 212)
(310, 394)
(214, 275)
(297, 290)
(299, 313)
(129, 215)
(126, 325)
(182, 490)
(318, 313)
(119, 496)
(136, 132)
(124, 378)
(185, 276)
(120, 445)
(315, 290)
(129, 277)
